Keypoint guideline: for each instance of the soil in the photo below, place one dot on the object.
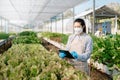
(94, 73)
(5, 46)
(57, 39)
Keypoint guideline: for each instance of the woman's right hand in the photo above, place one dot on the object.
(62, 54)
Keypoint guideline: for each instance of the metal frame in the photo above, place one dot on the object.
(30, 11)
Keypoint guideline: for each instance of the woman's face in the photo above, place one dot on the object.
(77, 25)
(78, 29)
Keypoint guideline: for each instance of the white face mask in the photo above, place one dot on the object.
(78, 30)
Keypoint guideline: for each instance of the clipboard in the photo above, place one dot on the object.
(68, 55)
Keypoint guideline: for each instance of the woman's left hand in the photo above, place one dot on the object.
(74, 54)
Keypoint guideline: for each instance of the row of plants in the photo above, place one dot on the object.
(5, 41)
(105, 50)
(28, 33)
(26, 37)
(62, 38)
(3, 35)
(34, 62)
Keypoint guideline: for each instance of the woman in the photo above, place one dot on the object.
(80, 46)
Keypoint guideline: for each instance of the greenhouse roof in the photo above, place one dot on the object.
(100, 12)
(27, 11)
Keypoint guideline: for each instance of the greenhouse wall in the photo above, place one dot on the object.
(57, 26)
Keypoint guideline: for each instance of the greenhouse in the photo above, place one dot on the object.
(59, 39)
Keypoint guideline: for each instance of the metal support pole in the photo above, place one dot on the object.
(93, 16)
(8, 27)
(7, 22)
(55, 24)
(62, 23)
(4, 25)
(73, 17)
(51, 26)
(115, 30)
(47, 26)
(0, 24)
(43, 27)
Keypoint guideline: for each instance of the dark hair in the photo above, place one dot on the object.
(82, 22)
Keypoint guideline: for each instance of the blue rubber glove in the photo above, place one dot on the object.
(74, 54)
(62, 55)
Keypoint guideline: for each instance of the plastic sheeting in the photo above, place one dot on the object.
(27, 11)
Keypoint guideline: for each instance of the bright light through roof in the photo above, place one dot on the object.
(26, 11)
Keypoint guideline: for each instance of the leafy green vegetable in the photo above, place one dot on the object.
(62, 38)
(32, 62)
(107, 50)
(28, 33)
(3, 35)
(27, 37)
